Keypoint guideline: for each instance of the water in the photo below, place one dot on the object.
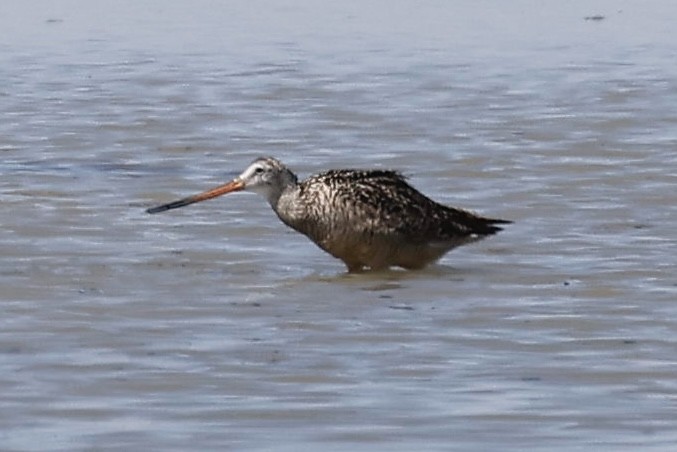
(214, 327)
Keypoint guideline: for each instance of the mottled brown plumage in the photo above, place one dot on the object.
(367, 218)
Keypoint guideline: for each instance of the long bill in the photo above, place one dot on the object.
(234, 185)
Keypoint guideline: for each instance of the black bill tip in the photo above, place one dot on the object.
(171, 205)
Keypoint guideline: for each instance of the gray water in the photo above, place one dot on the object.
(214, 327)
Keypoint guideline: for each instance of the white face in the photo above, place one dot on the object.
(259, 178)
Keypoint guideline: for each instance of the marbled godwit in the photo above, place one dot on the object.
(367, 218)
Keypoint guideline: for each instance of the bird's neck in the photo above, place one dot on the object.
(287, 205)
(287, 184)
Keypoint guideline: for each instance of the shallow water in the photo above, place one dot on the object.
(214, 327)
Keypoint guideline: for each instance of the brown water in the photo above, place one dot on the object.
(214, 327)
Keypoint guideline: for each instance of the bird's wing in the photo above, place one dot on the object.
(383, 202)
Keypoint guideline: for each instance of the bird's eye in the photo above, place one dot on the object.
(258, 170)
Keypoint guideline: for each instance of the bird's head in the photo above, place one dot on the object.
(268, 177)
(265, 175)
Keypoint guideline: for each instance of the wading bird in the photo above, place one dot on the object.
(367, 218)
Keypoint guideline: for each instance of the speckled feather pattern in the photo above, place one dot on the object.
(374, 218)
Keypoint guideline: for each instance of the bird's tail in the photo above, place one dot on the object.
(488, 226)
